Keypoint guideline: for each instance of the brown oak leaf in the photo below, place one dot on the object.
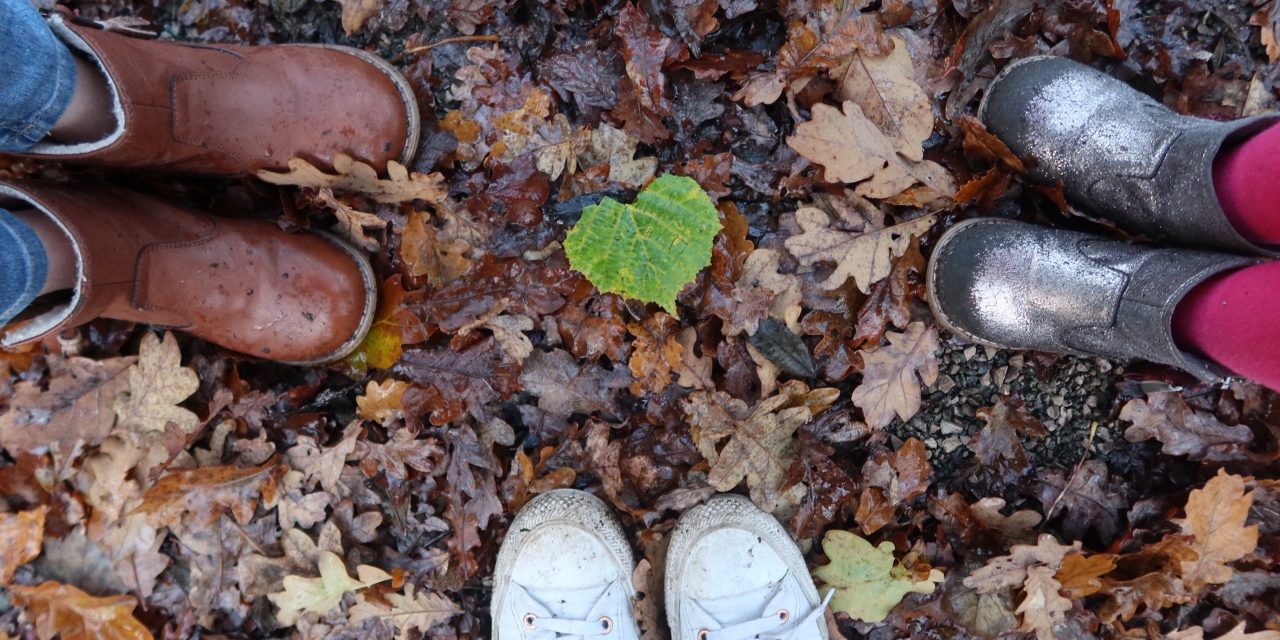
(761, 446)
(565, 387)
(354, 176)
(866, 257)
(1215, 519)
(894, 374)
(1183, 431)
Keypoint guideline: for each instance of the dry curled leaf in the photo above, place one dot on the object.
(401, 185)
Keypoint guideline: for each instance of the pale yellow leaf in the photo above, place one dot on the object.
(157, 383)
(323, 594)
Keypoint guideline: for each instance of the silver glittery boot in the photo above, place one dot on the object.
(1015, 285)
(1118, 153)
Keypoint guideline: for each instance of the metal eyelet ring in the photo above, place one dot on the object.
(702, 635)
(529, 619)
(606, 624)
(783, 616)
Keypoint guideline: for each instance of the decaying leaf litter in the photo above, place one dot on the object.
(157, 487)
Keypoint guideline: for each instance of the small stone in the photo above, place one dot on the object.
(1104, 365)
(946, 383)
(990, 352)
(1016, 361)
(999, 375)
(950, 428)
(970, 351)
(951, 444)
(1092, 402)
(1059, 401)
(985, 380)
(1054, 412)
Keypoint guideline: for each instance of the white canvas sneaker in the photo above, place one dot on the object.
(733, 573)
(564, 572)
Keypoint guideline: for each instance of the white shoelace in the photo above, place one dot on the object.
(567, 628)
(775, 626)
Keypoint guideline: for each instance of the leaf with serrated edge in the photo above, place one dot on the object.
(648, 250)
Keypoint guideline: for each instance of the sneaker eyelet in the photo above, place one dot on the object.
(606, 624)
(702, 634)
(783, 616)
(529, 619)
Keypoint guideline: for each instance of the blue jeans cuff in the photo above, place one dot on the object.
(23, 266)
(37, 111)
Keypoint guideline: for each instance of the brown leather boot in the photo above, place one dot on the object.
(243, 284)
(229, 110)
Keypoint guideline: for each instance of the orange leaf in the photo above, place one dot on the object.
(60, 610)
(207, 492)
(1079, 573)
(1215, 517)
(22, 534)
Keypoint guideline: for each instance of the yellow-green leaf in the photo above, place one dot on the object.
(648, 250)
(867, 583)
(321, 595)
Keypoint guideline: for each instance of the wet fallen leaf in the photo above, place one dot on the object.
(1183, 431)
(866, 580)
(63, 611)
(866, 257)
(23, 534)
(405, 611)
(356, 12)
(761, 446)
(201, 496)
(650, 249)
(382, 401)
(1042, 607)
(894, 374)
(1216, 520)
(885, 88)
(157, 383)
(76, 406)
